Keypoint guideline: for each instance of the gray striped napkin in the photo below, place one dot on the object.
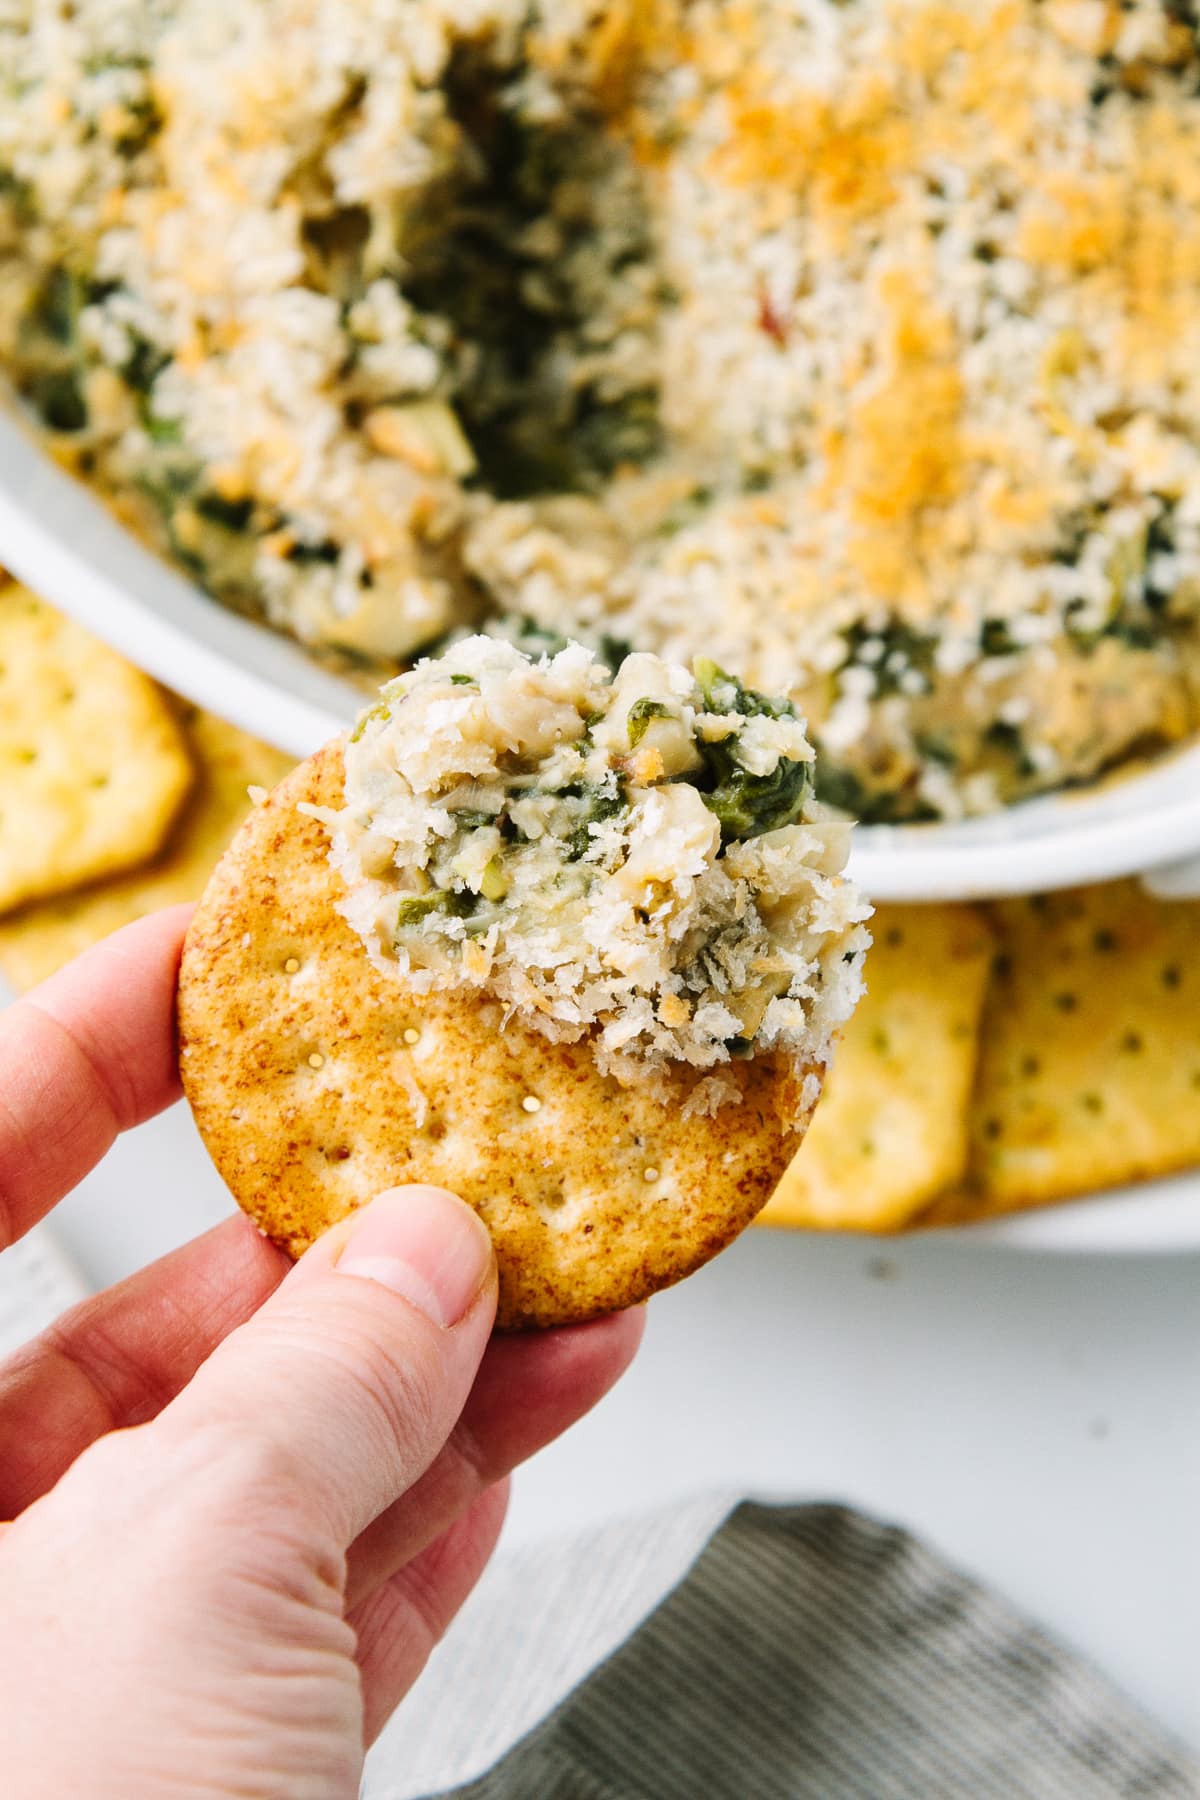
(809, 1653)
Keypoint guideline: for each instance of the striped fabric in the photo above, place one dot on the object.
(814, 1654)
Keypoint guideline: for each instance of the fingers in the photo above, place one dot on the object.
(528, 1391)
(88, 1054)
(342, 1389)
(403, 1621)
(117, 1359)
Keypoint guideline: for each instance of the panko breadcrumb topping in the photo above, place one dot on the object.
(636, 856)
(854, 345)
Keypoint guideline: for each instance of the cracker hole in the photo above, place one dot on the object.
(315, 1060)
(99, 781)
(339, 1154)
(531, 1104)
(436, 1130)
(291, 965)
(26, 755)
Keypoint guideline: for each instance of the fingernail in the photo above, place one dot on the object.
(425, 1244)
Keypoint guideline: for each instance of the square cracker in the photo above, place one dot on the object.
(1089, 1073)
(93, 766)
(40, 938)
(890, 1130)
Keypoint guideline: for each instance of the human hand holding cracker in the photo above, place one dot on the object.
(245, 1499)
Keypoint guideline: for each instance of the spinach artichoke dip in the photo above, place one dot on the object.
(855, 346)
(636, 857)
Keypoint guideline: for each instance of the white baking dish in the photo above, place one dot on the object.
(59, 538)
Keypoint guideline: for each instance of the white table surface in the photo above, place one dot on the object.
(1037, 1418)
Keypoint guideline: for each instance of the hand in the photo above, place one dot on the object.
(247, 1499)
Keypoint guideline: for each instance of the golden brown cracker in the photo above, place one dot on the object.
(93, 767)
(1089, 1074)
(890, 1131)
(318, 1081)
(40, 938)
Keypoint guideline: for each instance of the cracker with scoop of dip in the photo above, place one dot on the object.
(891, 1130)
(317, 1081)
(39, 938)
(570, 941)
(1089, 1072)
(93, 766)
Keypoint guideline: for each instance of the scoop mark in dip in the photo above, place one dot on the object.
(638, 856)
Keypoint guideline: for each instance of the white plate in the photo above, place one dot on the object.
(1153, 1218)
(59, 539)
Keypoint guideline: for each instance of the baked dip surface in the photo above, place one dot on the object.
(852, 346)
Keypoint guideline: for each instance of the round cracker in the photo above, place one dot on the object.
(318, 1081)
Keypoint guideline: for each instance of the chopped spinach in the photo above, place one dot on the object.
(685, 512)
(640, 715)
(327, 551)
(901, 650)
(840, 787)
(1010, 741)
(455, 902)
(746, 805)
(599, 805)
(58, 303)
(996, 639)
(726, 694)
(145, 123)
(231, 515)
(144, 363)
(936, 750)
(162, 431)
(613, 650)
(58, 398)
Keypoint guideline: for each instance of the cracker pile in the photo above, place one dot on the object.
(115, 798)
(1007, 1056)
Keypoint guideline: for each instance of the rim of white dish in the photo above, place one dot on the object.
(65, 545)
(1071, 856)
(61, 539)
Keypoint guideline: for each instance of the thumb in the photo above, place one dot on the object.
(348, 1381)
